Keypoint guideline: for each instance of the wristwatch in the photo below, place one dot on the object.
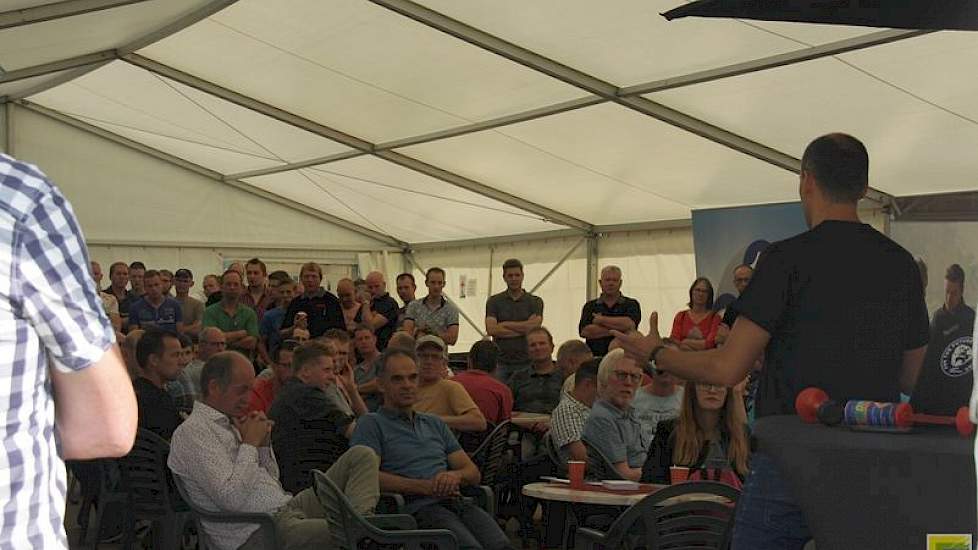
(655, 351)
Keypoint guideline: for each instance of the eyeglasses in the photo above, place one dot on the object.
(623, 376)
(712, 387)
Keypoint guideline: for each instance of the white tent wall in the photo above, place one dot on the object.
(941, 244)
(657, 266)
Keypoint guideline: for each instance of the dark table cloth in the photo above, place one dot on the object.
(874, 490)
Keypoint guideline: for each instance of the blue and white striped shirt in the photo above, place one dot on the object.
(50, 316)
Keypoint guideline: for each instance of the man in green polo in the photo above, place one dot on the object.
(238, 322)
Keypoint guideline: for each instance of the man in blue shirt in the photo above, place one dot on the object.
(612, 427)
(421, 459)
(156, 309)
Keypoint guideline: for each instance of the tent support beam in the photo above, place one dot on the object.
(211, 174)
(227, 246)
(90, 62)
(594, 85)
(356, 143)
(773, 61)
(559, 263)
(411, 260)
(59, 10)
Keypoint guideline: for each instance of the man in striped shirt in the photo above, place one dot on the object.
(63, 384)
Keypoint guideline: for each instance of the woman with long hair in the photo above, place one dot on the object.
(696, 328)
(709, 437)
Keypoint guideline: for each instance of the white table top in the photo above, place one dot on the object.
(563, 493)
(525, 419)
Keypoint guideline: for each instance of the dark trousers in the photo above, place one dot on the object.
(768, 518)
(473, 526)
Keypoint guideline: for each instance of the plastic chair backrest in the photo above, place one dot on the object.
(300, 452)
(145, 477)
(684, 524)
(491, 453)
(598, 465)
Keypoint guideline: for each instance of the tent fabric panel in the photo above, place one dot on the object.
(183, 121)
(628, 42)
(364, 70)
(44, 42)
(151, 200)
(791, 105)
(397, 201)
(18, 87)
(611, 166)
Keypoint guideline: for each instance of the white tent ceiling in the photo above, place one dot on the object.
(448, 120)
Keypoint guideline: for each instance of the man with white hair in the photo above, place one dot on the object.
(610, 311)
(379, 310)
(612, 427)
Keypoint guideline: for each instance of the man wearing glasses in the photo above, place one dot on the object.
(212, 341)
(612, 427)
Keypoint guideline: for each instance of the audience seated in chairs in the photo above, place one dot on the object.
(658, 400)
(570, 356)
(568, 419)
(612, 427)
(421, 459)
(223, 471)
(709, 437)
(536, 389)
(267, 388)
(182, 389)
(444, 398)
(494, 398)
(365, 372)
(158, 353)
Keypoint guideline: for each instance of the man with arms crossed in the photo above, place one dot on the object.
(808, 299)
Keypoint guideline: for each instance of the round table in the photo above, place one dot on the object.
(526, 420)
(563, 493)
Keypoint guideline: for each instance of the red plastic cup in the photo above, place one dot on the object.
(678, 474)
(575, 470)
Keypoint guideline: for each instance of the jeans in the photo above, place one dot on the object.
(474, 528)
(767, 516)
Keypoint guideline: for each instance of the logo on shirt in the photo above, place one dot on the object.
(956, 359)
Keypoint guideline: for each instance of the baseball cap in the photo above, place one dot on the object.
(430, 339)
(183, 273)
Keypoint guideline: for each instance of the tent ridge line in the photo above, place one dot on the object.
(362, 145)
(208, 173)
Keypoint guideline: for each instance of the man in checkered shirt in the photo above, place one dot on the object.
(567, 420)
(64, 391)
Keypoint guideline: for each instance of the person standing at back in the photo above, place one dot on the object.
(64, 389)
(510, 316)
(839, 307)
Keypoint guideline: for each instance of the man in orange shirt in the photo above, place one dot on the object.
(265, 389)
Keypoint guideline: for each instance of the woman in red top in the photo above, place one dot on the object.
(696, 328)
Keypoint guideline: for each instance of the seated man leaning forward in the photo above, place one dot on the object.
(444, 398)
(420, 458)
(223, 458)
(612, 426)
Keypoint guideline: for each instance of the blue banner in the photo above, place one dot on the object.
(724, 238)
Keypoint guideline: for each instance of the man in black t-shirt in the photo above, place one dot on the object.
(158, 353)
(946, 379)
(839, 307)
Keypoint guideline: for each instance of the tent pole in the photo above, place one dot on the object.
(592, 266)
